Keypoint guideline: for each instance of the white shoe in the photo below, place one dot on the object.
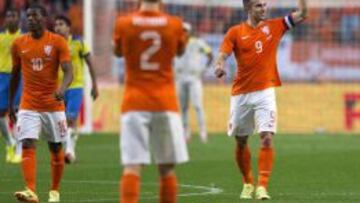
(247, 191)
(26, 196)
(70, 158)
(54, 196)
(261, 193)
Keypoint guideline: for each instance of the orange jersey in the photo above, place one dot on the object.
(255, 51)
(149, 41)
(40, 61)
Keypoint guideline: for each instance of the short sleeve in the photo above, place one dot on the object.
(205, 48)
(64, 51)
(85, 50)
(16, 61)
(283, 24)
(228, 44)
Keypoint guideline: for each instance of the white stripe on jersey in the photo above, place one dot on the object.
(288, 22)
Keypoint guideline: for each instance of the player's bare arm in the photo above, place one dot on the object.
(14, 84)
(210, 59)
(301, 13)
(94, 87)
(117, 49)
(66, 67)
(181, 49)
(220, 65)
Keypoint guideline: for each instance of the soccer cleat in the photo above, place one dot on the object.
(261, 193)
(247, 191)
(26, 196)
(69, 158)
(54, 196)
(16, 159)
(10, 152)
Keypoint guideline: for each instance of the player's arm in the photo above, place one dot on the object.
(301, 13)
(226, 50)
(66, 68)
(220, 64)
(14, 81)
(117, 50)
(117, 46)
(210, 58)
(182, 40)
(206, 49)
(94, 87)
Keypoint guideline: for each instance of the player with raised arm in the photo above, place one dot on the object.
(12, 31)
(253, 104)
(149, 40)
(189, 69)
(80, 55)
(37, 57)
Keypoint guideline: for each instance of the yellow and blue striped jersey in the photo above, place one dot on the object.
(79, 50)
(6, 40)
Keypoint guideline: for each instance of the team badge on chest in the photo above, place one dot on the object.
(265, 30)
(48, 49)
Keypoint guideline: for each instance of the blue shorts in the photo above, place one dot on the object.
(4, 91)
(73, 100)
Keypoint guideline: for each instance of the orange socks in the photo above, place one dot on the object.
(243, 160)
(129, 189)
(57, 167)
(28, 166)
(168, 189)
(265, 164)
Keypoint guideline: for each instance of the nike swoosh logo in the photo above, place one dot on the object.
(245, 37)
(269, 37)
(25, 51)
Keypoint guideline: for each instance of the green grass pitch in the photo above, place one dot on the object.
(308, 169)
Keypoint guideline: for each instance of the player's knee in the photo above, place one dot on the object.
(166, 169)
(28, 144)
(242, 141)
(132, 170)
(55, 147)
(71, 122)
(266, 139)
(198, 109)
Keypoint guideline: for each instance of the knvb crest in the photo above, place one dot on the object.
(48, 49)
(266, 30)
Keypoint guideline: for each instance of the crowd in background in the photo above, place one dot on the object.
(71, 8)
(327, 24)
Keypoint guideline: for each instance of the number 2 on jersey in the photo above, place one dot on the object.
(155, 37)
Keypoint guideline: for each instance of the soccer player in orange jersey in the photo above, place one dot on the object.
(149, 40)
(37, 56)
(254, 44)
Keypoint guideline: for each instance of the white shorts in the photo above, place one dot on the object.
(52, 125)
(160, 132)
(190, 89)
(255, 109)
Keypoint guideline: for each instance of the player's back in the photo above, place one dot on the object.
(149, 42)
